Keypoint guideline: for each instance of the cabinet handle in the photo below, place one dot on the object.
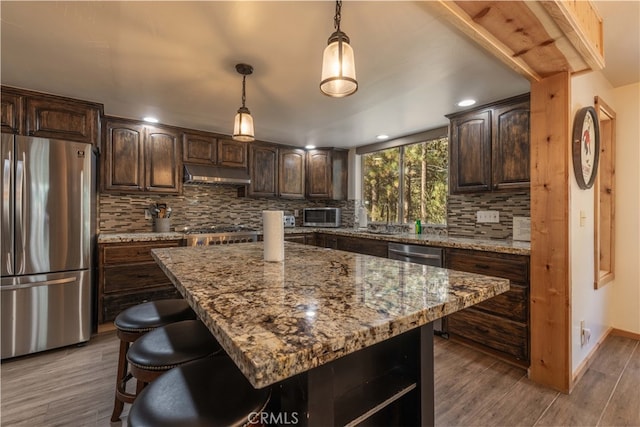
(483, 266)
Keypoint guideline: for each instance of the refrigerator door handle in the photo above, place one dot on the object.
(7, 207)
(45, 283)
(19, 220)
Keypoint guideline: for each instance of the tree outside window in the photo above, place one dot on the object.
(408, 182)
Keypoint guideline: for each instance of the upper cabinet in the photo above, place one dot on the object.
(489, 147)
(327, 174)
(48, 116)
(291, 173)
(232, 153)
(140, 158)
(201, 148)
(263, 168)
(276, 171)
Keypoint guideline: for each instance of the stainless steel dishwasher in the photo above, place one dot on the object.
(425, 255)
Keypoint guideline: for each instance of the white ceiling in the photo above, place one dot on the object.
(176, 60)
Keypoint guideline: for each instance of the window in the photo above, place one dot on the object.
(407, 182)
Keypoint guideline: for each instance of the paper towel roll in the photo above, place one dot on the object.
(273, 235)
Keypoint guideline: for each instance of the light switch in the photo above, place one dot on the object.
(583, 218)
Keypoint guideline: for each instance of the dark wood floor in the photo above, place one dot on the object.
(74, 387)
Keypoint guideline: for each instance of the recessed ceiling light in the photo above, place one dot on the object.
(382, 136)
(466, 102)
(309, 147)
(150, 119)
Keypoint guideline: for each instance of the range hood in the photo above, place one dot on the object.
(203, 174)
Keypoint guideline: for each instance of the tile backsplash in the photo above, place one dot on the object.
(461, 213)
(204, 205)
(200, 205)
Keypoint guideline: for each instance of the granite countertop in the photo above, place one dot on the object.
(279, 319)
(138, 237)
(489, 245)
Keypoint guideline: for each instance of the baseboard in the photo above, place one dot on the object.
(626, 334)
(582, 368)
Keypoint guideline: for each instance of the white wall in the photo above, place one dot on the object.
(617, 304)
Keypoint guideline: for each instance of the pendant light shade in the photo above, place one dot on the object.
(243, 122)
(338, 63)
(243, 126)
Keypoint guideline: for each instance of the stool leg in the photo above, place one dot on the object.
(139, 386)
(118, 404)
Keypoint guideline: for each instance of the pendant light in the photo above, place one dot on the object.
(243, 123)
(338, 64)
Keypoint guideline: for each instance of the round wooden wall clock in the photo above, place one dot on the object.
(586, 146)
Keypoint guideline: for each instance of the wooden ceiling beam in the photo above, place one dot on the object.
(536, 39)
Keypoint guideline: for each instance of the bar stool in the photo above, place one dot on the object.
(206, 392)
(133, 323)
(169, 346)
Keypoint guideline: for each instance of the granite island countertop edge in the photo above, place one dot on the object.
(192, 271)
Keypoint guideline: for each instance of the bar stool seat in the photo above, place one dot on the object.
(133, 323)
(169, 346)
(206, 392)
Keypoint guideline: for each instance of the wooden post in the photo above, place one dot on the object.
(550, 266)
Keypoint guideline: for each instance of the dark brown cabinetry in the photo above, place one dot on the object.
(12, 112)
(353, 244)
(49, 116)
(304, 238)
(128, 275)
(291, 173)
(263, 168)
(327, 174)
(140, 158)
(276, 171)
(499, 325)
(232, 153)
(489, 147)
(200, 148)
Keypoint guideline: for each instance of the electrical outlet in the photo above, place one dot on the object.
(488, 216)
(585, 334)
(147, 214)
(296, 213)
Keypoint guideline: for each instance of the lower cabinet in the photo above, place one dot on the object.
(501, 324)
(128, 275)
(353, 244)
(304, 238)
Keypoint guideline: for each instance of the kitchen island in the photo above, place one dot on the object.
(340, 336)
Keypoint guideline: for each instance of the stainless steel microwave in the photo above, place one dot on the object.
(321, 217)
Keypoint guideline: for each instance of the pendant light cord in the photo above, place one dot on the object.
(244, 97)
(337, 17)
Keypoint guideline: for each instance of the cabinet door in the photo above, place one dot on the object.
(291, 173)
(319, 174)
(363, 246)
(162, 168)
(470, 153)
(510, 147)
(263, 170)
(199, 148)
(232, 153)
(62, 119)
(339, 178)
(12, 112)
(123, 157)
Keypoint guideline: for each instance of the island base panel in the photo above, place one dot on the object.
(390, 383)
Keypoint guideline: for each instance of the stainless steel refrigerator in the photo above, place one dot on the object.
(48, 232)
